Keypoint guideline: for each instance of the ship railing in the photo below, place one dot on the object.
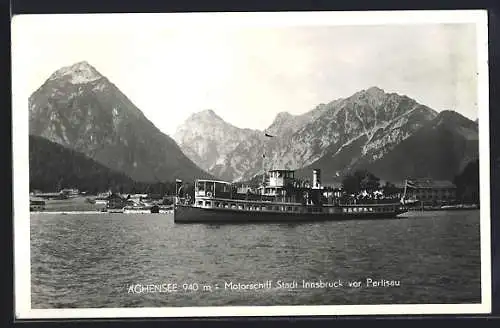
(182, 201)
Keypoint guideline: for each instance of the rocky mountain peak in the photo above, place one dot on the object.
(205, 115)
(82, 110)
(283, 115)
(78, 73)
(371, 94)
(281, 118)
(375, 89)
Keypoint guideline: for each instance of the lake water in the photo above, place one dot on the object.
(108, 260)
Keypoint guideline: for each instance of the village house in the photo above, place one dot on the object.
(116, 201)
(430, 191)
(37, 204)
(70, 192)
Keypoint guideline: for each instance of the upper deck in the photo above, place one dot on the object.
(212, 188)
(281, 178)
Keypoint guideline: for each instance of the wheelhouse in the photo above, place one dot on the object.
(212, 189)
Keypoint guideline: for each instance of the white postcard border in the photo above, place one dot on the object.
(21, 218)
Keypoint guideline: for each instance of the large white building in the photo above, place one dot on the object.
(430, 191)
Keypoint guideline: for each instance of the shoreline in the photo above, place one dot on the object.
(171, 211)
(95, 212)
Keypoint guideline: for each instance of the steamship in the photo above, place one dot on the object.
(279, 198)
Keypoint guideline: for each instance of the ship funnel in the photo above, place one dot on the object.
(317, 179)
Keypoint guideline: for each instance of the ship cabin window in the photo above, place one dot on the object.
(208, 203)
(217, 204)
(221, 187)
(240, 207)
(309, 210)
(289, 209)
(200, 202)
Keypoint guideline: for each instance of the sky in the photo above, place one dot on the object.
(247, 70)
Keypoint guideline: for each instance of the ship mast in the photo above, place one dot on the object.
(404, 192)
(264, 163)
(263, 170)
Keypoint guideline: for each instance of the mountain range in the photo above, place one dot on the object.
(80, 109)
(390, 134)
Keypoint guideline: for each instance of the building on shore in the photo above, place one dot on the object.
(69, 192)
(116, 201)
(37, 204)
(429, 191)
(104, 195)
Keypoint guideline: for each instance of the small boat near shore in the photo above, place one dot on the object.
(147, 209)
(136, 209)
(279, 199)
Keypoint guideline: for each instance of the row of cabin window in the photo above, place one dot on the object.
(294, 208)
(365, 209)
(257, 208)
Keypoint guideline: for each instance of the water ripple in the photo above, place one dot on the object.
(92, 260)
